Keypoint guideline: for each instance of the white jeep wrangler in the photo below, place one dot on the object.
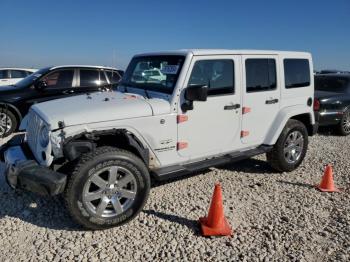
(211, 108)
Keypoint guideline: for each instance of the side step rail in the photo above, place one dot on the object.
(165, 173)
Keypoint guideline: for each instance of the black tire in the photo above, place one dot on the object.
(6, 131)
(277, 158)
(343, 127)
(86, 167)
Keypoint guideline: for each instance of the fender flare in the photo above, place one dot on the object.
(74, 146)
(281, 120)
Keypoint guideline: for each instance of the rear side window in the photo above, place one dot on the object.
(296, 73)
(260, 74)
(335, 84)
(89, 77)
(218, 75)
(18, 74)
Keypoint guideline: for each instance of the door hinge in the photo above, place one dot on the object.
(182, 145)
(182, 118)
(246, 110)
(244, 133)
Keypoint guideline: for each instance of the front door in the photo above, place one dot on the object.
(261, 97)
(212, 126)
(60, 83)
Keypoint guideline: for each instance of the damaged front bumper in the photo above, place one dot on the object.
(23, 172)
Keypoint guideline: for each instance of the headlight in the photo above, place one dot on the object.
(44, 136)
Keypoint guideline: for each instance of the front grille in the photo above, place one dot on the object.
(33, 128)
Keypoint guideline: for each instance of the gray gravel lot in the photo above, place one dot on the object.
(276, 217)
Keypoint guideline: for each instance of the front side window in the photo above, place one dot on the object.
(296, 73)
(59, 79)
(169, 67)
(260, 75)
(18, 74)
(218, 75)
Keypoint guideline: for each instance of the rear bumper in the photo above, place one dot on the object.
(23, 172)
(328, 118)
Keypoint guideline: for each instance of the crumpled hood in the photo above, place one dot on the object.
(98, 107)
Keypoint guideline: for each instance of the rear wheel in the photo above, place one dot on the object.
(108, 187)
(291, 147)
(8, 122)
(343, 127)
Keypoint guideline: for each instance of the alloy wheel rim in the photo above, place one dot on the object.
(293, 147)
(5, 123)
(346, 122)
(110, 191)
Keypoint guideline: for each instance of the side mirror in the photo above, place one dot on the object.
(194, 93)
(40, 85)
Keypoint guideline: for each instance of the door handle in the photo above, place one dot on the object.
(232, 107)
(271, 101)
(68, 92)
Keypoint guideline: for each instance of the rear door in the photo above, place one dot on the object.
(261, 97)
(212, 126)
(91, 80)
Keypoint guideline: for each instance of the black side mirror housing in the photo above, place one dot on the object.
(194, 93)
(40, 85)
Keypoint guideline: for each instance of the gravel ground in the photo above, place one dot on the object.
(276, 217)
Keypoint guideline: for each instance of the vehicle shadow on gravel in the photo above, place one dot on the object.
(250, 165)
(33, 209)
(47, 212)
(191, 224)
(326, 131)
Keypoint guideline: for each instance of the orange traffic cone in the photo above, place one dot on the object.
(327, 183)
(215, 224)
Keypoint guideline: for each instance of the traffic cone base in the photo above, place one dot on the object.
(223, 230)
(327, 189)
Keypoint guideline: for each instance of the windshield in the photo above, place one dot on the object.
(29, 80)
(156, 73)
(332, 84)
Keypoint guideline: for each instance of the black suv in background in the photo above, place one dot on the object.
(47, 84)
(332, 101)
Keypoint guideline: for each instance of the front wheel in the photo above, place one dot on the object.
(108, 188)
(290, 149)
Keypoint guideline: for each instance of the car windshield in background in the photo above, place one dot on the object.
(29, 80)
(155, 73)
(332, 84)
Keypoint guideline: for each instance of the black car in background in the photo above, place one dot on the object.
(47, 84)
(332, 101)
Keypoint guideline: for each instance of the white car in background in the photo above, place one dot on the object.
(10, 76)
(154, 74)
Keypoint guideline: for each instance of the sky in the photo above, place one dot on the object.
(106, 32)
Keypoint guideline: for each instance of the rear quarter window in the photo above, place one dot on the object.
(296, 73)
